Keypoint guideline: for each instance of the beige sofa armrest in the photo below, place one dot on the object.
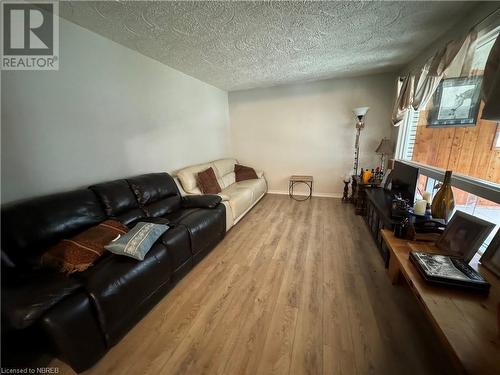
(224, 197)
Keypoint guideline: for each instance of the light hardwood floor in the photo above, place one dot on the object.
(294, 288)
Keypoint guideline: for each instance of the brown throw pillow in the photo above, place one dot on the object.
(244, 173)
(207, 182)
(81, 251)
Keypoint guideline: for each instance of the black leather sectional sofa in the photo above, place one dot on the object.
(79, 317)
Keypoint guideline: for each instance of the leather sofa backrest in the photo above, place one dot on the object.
(157, 193)
(188, 177)
(224, 170)
(119, 201)
(29, 227)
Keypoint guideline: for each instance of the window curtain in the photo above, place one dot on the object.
(490, 91)
(418, 95)
(437, 66)
(403, 99)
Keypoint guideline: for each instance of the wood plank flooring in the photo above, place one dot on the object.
(294, 288)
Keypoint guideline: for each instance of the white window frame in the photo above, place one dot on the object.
(481, 188)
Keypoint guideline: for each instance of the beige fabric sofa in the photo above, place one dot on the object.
(238, 197)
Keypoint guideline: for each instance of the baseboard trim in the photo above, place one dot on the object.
(319, 195)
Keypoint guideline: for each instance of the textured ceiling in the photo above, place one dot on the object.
(240, 45)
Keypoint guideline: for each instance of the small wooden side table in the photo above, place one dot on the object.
(307, 180)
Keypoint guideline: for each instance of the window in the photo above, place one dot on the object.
(471, 150)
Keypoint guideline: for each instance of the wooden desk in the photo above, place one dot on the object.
(466, 322)
(378, 216)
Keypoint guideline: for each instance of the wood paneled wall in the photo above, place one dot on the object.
(464, 150)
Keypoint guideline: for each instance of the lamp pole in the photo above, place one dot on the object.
(360, 114)
(360, 125)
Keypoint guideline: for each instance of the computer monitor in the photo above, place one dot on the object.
(404, 180)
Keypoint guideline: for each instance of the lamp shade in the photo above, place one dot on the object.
(360, 112)
(385, 147)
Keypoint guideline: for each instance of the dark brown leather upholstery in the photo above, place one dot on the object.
(177, 242)
(206, 227)
(201, 201)
(84, 314)
(157, 193)
(29, 227)
(73, 332)
(119, 201)
(119, 284)
(26, 297)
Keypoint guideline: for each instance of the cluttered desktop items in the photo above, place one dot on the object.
(458, 244)
(457, 235)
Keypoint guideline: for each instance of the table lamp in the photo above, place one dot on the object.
(383, 149)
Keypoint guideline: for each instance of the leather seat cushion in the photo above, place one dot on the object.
(175, 217)
(178, 245)
(257, 186)
(206, 227)
(33, 294)
(240, 198)
(118, 285)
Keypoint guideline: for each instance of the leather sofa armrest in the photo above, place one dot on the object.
(201, 201)
(29, 296)
(154, 220)
(74, 332)
(223, 196)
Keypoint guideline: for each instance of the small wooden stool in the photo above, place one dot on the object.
(307, 180)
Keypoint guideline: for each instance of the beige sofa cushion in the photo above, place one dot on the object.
(187, 177)
(225, 171)
(224, 166)
(241, 195)
(257, 186)
(240, 199)
(228, 180)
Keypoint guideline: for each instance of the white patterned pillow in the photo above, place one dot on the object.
(138, 241)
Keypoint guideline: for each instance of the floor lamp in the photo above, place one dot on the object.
(360, 114)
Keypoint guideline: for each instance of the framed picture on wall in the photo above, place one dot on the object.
(455, 102)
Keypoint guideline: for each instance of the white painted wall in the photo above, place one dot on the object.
(309, 128)
(109, 112)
